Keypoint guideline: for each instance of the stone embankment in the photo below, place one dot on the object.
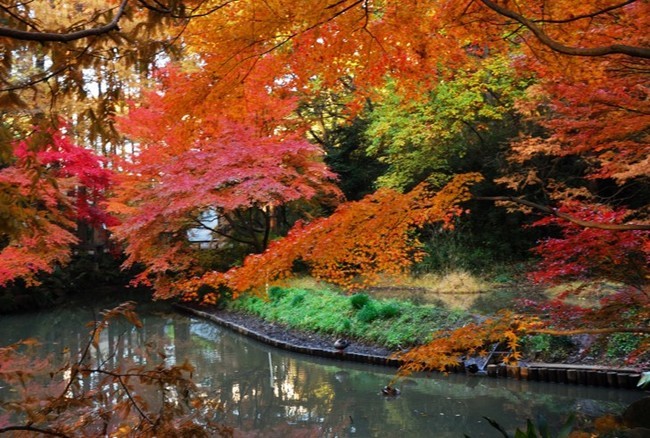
(323, 346)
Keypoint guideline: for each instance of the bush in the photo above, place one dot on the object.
(547, 347)
(368, 313)
(276, 293)
(389, 310)
(297, 299)
(358, 301)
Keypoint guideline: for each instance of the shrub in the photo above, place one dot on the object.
(297, 299)
(368, 313)
(276, 293)
(622, 344)
(358, 301)
(389, 310)
(547, 347)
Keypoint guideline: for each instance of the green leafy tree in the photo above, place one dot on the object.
(468, 114)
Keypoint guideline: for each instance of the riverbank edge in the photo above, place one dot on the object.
(590, 375)
(314, 350)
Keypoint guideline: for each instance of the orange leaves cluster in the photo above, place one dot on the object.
(353, 246)
(594, 107)
(303, 47)
(446, 348)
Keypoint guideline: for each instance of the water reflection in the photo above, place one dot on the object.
(268, 392)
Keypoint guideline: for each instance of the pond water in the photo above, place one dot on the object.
(268, 392)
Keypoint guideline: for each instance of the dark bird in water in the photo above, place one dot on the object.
(389, 391)
(472, 368)
(341, 344)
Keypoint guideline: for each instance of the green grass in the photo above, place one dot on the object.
(391, 322)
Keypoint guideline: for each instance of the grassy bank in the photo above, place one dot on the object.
(406, 314)
(389, 322)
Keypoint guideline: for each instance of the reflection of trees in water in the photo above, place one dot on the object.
(264, 390)
(267, 392)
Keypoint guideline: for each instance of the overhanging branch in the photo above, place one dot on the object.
(622, 49)
(24, 35)
(32, 429)
(552, 211)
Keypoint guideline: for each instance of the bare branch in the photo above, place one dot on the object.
(584, 16)
(226, 235)
(622, 49)
(590, 331)
(120, 379)
(47, 75)
(555, 212)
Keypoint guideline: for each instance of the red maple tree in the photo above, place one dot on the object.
(52, 184)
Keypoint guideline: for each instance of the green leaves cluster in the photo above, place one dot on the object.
(427, 137)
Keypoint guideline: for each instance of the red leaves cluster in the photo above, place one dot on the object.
(50, 185)
(223, 161)
(593, 253)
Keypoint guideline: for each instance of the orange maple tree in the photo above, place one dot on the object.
(221, 133)
(267, 56)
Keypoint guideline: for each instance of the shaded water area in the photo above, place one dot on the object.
(268, 392)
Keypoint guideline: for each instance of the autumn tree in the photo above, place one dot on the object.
(588, 165)
(580, 153)
(367, 45)
(74, 62)
(241, 166)
(80, 61)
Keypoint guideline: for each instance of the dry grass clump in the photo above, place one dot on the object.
(452, 282)
(457, 289)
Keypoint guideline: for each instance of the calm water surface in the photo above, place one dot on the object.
(272, 393)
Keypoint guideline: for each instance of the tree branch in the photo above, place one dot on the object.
(32, 429)
(555, 212)
(622, 49)
(584, 16)
(65, 37)
(590, 331)
(46, 75)
(163, 10)
(120, 379)
(226, 235)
